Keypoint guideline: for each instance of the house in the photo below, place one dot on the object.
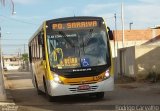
(11, 62)
(140, 54)
(134, 38)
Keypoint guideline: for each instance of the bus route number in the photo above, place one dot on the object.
(99, 77)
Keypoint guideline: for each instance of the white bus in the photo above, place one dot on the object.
(71, 56)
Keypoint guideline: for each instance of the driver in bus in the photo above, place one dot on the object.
(96, 50)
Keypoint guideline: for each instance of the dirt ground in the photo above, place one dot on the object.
(125, 93)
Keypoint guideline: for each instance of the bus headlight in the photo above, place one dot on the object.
(107, 75)
(57, 79)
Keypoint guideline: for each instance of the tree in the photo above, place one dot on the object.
(25, 57)
(25, 61)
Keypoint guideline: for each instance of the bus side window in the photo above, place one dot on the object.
(30, 54)
(41, 46)
(40, 39)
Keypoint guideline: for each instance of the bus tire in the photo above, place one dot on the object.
(100, 95)
(36, 86)
(50, 99)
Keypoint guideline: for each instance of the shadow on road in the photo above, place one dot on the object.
(18, 76)
(28, 98)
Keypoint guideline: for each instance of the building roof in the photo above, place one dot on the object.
(134, 35)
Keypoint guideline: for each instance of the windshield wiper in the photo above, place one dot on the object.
(66, 39)
(87, 37)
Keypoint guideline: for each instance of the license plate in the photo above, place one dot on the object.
(84, 87)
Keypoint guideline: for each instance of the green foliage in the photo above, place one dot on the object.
(25, 57)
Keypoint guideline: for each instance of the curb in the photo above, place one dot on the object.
(9, 98)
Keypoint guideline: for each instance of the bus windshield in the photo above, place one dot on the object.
(78, 48)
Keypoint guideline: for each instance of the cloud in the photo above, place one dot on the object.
(27, 17)
(106, 11)
(143, 14)
(24, 20)
(149, 1)
(23, 1)
(64, 12)
(96, 8)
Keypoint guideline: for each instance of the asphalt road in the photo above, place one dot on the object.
(26, 98)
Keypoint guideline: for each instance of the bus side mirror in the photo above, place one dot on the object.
(110, 33)
(40, 39)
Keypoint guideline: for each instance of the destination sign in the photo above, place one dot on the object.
(74, 25)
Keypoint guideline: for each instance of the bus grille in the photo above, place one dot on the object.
(79, 83)
(75, 89)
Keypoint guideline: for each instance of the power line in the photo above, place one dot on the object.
(14, 44)
(14, 39)
(20, 21)
(110, 17)
(18, 33)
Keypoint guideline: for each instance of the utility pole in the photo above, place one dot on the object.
(24, 48)
(2, 88)
(115, 33)
(122, 21)
(116, 41)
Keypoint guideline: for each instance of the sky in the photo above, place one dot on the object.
(18, 28)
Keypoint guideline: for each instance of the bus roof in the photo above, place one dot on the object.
(76, 18)
(36, 33)
(65, 19)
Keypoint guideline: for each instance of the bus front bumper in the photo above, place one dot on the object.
(62, 89)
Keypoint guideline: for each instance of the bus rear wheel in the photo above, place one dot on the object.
(100, 95)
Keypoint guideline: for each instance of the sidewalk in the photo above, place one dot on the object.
(2, 97)
(7, 103)
(6, 100)
(8, 106)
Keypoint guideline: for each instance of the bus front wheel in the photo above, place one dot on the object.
(46, 92)
(36, 85)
